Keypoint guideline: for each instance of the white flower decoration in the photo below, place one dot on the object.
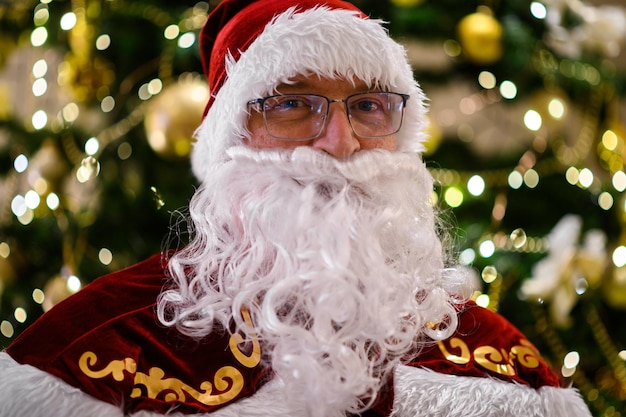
(568, 270)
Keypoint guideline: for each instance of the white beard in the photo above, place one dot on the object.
(338, 262)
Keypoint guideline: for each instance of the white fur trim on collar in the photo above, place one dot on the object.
(425, 393)
(28, 391)
(422, 392)
(318, 41)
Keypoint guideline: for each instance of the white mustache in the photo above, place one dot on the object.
(313, 163)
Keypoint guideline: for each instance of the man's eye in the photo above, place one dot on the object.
(291, 104)
(367, 105)
(286, 104)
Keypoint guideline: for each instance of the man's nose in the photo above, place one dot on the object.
(337, 138)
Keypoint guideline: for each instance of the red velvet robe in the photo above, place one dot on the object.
(106, 341)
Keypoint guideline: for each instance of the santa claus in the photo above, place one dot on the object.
(315, 283)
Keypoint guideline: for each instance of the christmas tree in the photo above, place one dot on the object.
(99, 100)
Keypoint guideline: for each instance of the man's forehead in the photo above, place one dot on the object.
(312, 83)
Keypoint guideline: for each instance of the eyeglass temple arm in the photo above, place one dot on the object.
(257, 102)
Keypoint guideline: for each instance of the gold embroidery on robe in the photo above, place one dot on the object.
(174, 389)
(228, 381)
(490, 358)
(114, 368)
(494, 360)
(526, 354)
(455, 342)
(236, 339)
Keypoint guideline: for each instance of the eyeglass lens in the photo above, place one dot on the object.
(302, 116)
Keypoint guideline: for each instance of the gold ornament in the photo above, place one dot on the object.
(406, 3)
(480, 36)
(85, 78)
(173, 116)
(86, 74)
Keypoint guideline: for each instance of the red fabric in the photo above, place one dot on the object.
(485, 344)
(114, 318)
(234, 25)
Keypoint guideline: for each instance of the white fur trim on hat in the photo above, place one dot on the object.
(320, 41)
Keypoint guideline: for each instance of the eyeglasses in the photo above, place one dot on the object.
(300, 117)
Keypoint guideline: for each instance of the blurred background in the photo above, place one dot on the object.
(99, 99)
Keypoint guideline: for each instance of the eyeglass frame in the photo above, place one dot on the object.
(261, 101)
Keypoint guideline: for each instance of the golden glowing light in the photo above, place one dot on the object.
(171, 32)
(572, 175)
(20, 163)
(53, 201)
(40, 68)
(515, 180)
(32, 199)
(92, 146)
(585, 177)
(39, 119)
(619, 181)
(105, 256)
(531, 178)
(68, 21)
(124, 151)
(107, 104)
(103, 42)
(467, 256)
(489, 274)
(538, 10)
(487, 248)
(532, 120)
(40, 86)
(70, 112)
(605, 201)
(556, 108)
(73, 283)
(5, 250)
(41, 15)
(518, 238)
(38, 296)
(6, 328)
(155, 86)
(453, 197)
(186, 40)
(571, 360)
(508, 90)
(609, 140)
(487, 80)
(20, 315)
(619, 256)
(39, 36)
(483, 300)
(476, 185)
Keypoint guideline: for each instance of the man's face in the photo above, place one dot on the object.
(323, 244)
(337, 137)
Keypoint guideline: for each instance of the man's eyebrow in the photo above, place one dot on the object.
(295, 86)
(302, 86)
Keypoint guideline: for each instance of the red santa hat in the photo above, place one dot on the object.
(249, 47)
(234, 25)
